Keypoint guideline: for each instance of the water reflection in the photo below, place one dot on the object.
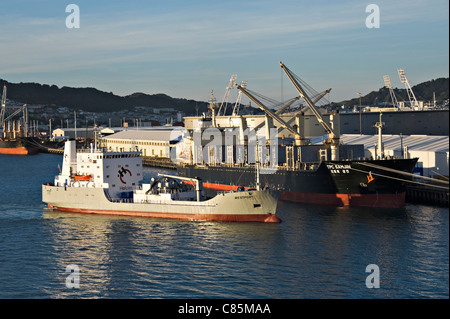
(316, 252)
(144, 257)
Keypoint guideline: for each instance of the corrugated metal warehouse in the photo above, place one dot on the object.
(156, 142)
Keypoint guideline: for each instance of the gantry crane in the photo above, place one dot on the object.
(412, 98)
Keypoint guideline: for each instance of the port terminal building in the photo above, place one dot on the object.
(151, 142)
(89, 132)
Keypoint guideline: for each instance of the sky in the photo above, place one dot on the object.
(186, 49)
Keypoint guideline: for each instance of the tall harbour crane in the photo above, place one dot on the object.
(388, 85)
(412, 98)
(224, 103)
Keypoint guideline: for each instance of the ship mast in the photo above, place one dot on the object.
(380, 149)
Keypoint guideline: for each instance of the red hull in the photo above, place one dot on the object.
(353, 200)
(198, 217)
(18, 151)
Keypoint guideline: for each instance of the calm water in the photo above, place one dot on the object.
(316, 252)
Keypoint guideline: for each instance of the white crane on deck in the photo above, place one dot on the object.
(268, 111)
(311, 105)
(237, 105)
(227, 94)
(333, 137)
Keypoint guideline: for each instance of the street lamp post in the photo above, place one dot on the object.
(360, 126)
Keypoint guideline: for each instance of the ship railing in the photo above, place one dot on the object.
(310, 166)
(122, 200)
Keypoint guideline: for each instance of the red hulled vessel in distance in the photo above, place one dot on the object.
(14, 138)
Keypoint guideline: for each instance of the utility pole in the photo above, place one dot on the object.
(401, 145)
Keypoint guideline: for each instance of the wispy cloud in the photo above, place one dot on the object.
(142, 37)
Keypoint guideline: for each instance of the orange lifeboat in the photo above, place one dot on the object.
(83, 177)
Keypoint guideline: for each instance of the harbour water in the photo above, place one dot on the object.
(316, 252)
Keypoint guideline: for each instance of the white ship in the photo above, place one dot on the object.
(97, 181)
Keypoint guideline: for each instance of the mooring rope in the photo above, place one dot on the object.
(401, 172)
(399, 179)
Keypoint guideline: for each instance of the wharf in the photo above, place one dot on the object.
(58, 151)
(161, 162)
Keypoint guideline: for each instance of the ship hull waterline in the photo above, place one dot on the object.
(94, 201)
(17, 147)
(340, 200)
(18, 151)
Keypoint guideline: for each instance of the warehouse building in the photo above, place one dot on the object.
(155, 142)
(432, 151)
(73, 133)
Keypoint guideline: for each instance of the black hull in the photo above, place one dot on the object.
(337, 183)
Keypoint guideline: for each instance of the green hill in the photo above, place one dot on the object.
(423, 92)
(93, 100)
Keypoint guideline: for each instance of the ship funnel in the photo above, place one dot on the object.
(70, 157)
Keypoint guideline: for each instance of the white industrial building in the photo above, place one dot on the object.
(432, 151)
(80, 132)
(73, 133)
(155, 142)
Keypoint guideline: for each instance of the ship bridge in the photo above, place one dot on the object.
(118, 172)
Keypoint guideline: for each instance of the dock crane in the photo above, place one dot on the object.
(333, 138)
(388, 85)
(3, 108)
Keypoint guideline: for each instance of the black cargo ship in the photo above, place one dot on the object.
(367, 183)
(328, 174)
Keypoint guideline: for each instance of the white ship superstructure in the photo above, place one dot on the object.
(117, 172)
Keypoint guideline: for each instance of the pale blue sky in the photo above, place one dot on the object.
(188, 48)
